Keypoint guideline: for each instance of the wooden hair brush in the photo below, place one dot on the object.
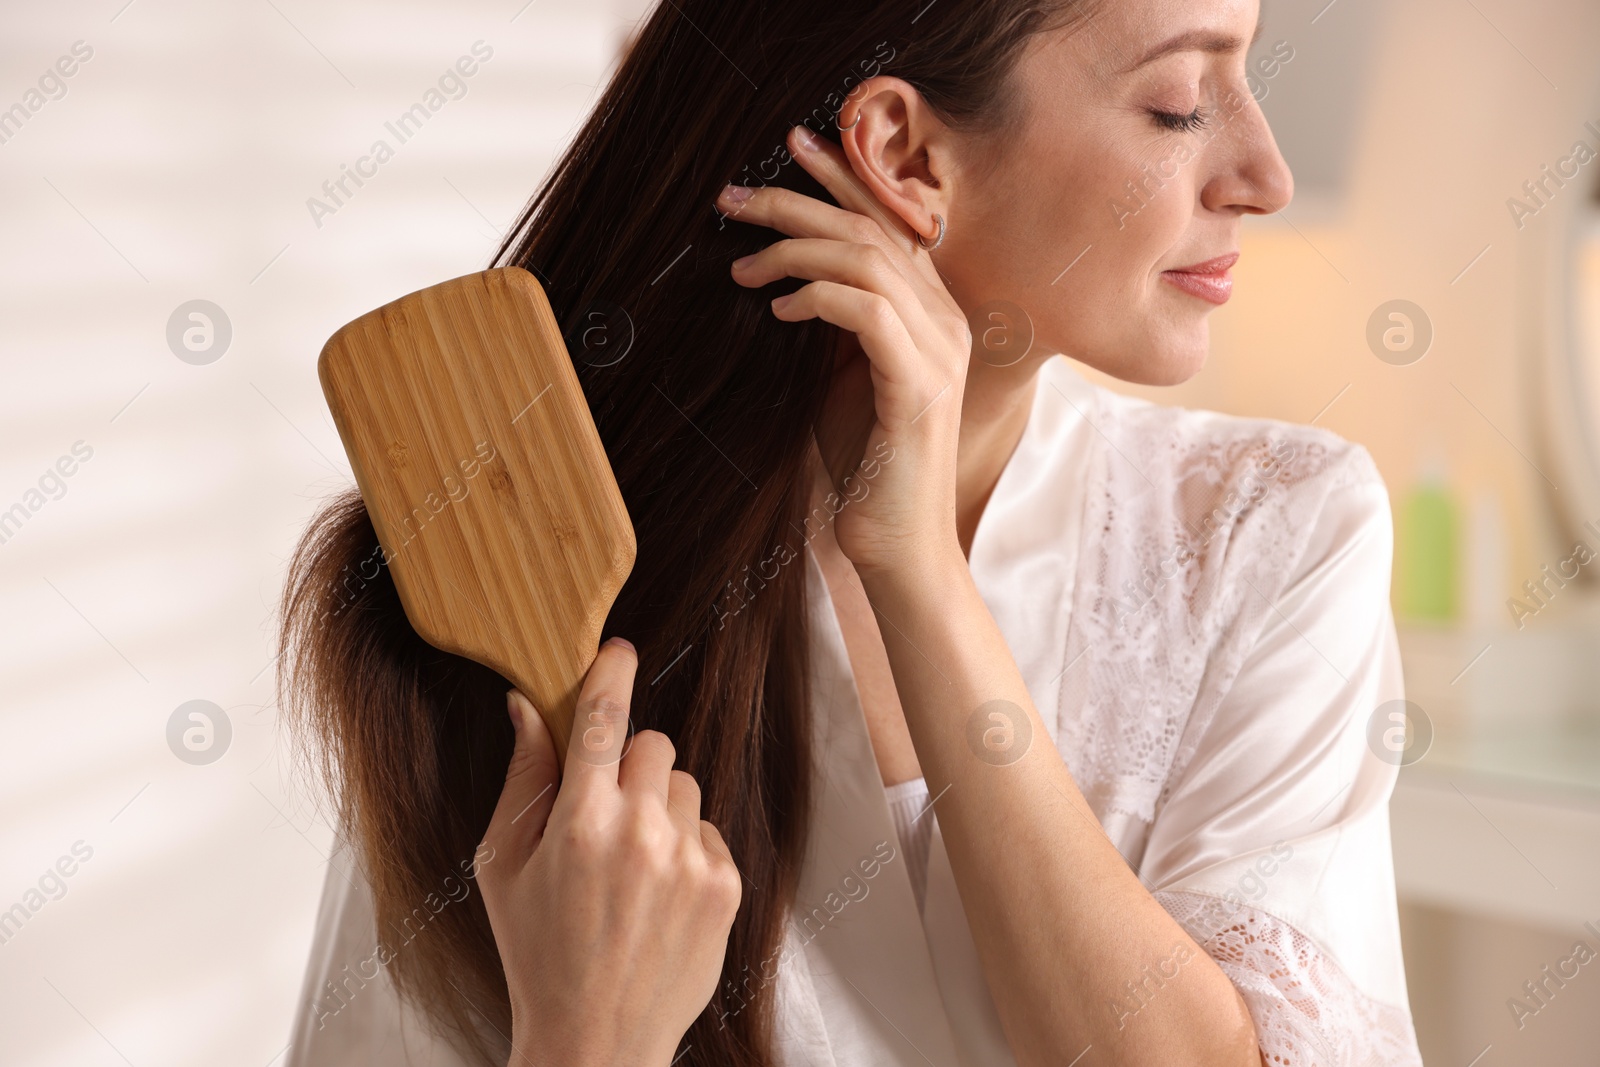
(478, 459)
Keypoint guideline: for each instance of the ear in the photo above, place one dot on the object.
(900, 149)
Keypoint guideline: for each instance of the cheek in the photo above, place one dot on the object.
(1127, 196)
(1059, 231)
(1067, 199)
(1146, 201)
(1112, 200)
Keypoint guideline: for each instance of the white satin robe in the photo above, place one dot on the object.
(1222, 741)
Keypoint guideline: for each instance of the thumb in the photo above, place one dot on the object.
(532, 777)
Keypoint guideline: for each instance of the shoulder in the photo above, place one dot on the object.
(1288, 487)
(1216, 548)
(1182, 444)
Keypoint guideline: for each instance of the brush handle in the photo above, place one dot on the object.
(556, 700)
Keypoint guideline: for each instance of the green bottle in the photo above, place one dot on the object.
(1426, 551)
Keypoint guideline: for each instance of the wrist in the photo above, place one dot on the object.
(914, 575)
(531, 1049)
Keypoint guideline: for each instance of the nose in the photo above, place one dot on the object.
(1252, 177)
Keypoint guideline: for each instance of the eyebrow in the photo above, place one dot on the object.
(1198, 41)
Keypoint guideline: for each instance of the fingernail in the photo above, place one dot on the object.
(624, 642)
(736, 194)
(514, 709)
(744, 261)
(807, 138)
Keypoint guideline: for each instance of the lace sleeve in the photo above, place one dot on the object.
(1271, 843)
(1306, 1010)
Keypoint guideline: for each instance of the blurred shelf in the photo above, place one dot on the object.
(1501, 817)
(1543, 758)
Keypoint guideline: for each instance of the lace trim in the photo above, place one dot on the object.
(1193, 524)
(1306, 1011)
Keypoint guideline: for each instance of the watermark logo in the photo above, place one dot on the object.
(601, 734)
(52, 485)
(1540, 591)
(51, 86)
(1399, 332)
(735, 599)
(199, 732)
(356, 579)
(337, 191)
(199, 332)
(51, 885)
(1002, 333)
(1399, 732)
(999, 733)
(853, 886)
(1267, 67)
(820, 118)
(1540, 191)
(1552, 978)
(603, 336)
(1152, 979)
(341, 989)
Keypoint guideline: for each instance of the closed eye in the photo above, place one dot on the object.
(1193, 120)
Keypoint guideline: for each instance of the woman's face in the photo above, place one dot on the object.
(1077, 213)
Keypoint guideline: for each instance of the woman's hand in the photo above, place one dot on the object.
(610, 900)
(891, 422)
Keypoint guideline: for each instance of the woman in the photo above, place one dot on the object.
(1014, 720)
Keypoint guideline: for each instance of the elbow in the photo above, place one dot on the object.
(1243, 1051)
(1235, 1036)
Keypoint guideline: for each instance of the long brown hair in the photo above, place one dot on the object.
(705, 404)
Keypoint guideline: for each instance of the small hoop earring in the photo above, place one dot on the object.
(852, 126)
(937, 240)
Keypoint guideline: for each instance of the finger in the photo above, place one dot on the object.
(798, 215)
(882, 335)
(904, 385)
(720, 860)
(647, 768)
(523, 810)
(711, 840)
(600, 720)
(828, 164)
(683, 797)
(865, 266)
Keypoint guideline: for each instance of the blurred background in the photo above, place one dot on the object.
(1433, 292)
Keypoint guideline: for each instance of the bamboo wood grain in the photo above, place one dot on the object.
(485, 478)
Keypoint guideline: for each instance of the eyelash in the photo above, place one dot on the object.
(1195, 120)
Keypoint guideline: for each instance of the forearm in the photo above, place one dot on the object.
(1068, 937)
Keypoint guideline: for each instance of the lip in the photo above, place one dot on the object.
(1209, 280)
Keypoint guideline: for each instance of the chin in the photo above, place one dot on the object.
(1168, 360)
(1175, 368)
